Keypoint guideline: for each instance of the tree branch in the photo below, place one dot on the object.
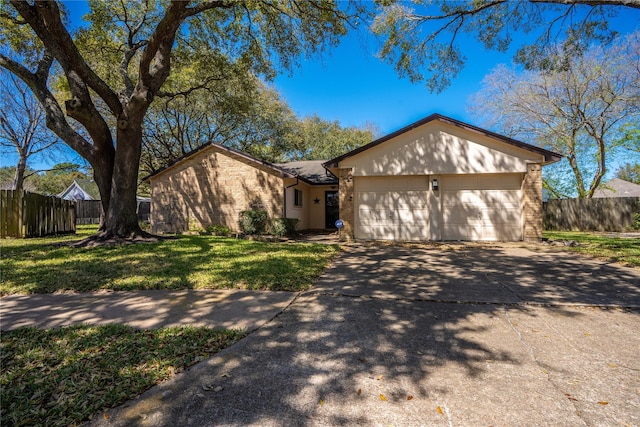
(207, 5)
(56, 120)
(626, 3)
(44, 18)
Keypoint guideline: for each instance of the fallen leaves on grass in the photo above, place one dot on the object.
(62, 376)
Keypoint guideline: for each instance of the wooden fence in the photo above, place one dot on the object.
(598, 214)
(89, 211)
(24, 214)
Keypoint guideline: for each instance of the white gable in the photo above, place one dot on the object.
(440, 148)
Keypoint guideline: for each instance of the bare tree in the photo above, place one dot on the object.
(22, 125)
(582, 111)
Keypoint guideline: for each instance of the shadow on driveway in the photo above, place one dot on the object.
(498, 275)
(414, 336)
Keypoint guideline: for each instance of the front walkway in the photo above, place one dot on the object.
(227, 309)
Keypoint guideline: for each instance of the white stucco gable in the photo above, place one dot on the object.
(441, 145)
(441, 148)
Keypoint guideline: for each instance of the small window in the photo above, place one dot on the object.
(297, 197)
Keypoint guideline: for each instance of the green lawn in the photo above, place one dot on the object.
(65, 375)
(62, 376)
(197, 262)
(623, 250)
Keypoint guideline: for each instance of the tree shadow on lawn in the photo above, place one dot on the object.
(399, 336)
(185, 263)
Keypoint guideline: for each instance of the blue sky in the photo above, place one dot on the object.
(350, 84)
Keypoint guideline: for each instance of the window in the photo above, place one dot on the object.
(297, 197)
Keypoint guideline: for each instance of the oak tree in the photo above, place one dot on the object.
(111, 69)
(23, 129)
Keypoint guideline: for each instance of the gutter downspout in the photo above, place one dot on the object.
(284, 208)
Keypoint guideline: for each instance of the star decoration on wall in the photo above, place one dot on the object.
(316, 201)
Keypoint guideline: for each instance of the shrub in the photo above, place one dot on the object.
(636, 221)
(193, 226)
(253, 221)
(218, 230)
(284, 226)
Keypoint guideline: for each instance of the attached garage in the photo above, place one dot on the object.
(441, 179)
(391, 208)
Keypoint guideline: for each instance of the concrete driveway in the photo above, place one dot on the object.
(411, 336)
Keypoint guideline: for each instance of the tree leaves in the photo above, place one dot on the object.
(421, 38)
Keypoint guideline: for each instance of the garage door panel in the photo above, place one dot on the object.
(501, 232)
(482, 207)
(500, 215)
(404, 232)
(481, 196)
(461, 232)
(369, 216)
(461, 214)
(391, 208)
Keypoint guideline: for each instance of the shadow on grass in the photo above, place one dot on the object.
(191, 262)
(625, 250)
(62, 376)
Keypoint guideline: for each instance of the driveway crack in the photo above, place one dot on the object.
(532, 352)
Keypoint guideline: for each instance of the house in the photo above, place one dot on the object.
(617, 188)
(81, 189)
(436, 179)
(213, 184)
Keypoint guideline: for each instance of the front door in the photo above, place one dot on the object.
(331, 209)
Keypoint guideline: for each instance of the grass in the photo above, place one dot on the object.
(62, 376)
(42, 265)
(616, 249)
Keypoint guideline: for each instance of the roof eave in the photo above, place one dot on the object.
(283, 173)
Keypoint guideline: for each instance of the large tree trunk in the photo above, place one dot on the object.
(102, 173)
(121, 218)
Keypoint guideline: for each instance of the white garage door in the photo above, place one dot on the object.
(391, 208)
(481, 207)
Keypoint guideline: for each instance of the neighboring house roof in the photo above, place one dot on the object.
(617, 188)
(549, 156)
(81, 189)
(310, 170)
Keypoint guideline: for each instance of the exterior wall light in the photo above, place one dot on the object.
(434, 184)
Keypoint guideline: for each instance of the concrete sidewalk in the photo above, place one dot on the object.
(240, 309)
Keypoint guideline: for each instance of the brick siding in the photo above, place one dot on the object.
(532, 198)
(346, 201)
(212, 188)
